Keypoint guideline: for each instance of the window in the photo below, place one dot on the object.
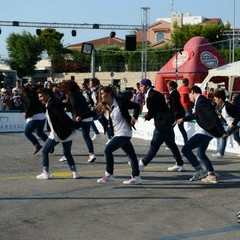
(159, 36)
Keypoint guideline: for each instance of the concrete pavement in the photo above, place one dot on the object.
(166, 206)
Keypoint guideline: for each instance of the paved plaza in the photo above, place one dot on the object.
(166, 206)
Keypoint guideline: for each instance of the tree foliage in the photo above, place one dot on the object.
(24, 51)
(212, 32)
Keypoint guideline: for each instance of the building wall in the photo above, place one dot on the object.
(127, 79)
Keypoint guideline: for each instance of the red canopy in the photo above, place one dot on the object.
(197, 57)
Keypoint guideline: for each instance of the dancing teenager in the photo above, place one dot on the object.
(62, 129)
(116, 116)
(208, 126)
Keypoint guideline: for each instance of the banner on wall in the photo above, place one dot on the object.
(12, 121)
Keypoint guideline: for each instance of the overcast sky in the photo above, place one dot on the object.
(105, 12)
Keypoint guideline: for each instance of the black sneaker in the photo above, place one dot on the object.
(37, 149)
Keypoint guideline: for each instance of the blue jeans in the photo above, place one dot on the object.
(201, 142)
(125, 144)
(159, 137)
(37, 125)
(49, 145)
(223, 141)
(85, 126)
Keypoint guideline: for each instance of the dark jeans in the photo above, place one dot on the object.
(37, 125)
(159, 137)
(85, 126)
(125, 144)
(201, 142)
(49, 145)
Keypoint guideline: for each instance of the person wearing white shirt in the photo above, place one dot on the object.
(231, 116)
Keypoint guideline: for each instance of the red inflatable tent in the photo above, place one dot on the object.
(197, 57)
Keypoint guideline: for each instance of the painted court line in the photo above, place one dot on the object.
(202, 233)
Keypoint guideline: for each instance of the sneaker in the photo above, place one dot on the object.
(176, 168)
(141, 165)
(96, 136)
(238, 216)
(91, 158)
(63, 159)
(37, 149)
(44, 175)
(217, 155)
(210, 179)
(198, 175)
(133, 180)
(76, 175)
(106, 178)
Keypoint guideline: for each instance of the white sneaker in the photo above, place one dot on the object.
(176, 168)
(133, 180)
(91, 158)
(95, 137)
(106, 178)
(217, 155)
(44, 175)
(141, 165)
(63, 159)
(76, 175)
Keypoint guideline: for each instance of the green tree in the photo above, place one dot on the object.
(212, 32)
(52, 45)
(24, 51)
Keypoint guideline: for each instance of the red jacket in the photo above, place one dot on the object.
(184, 90)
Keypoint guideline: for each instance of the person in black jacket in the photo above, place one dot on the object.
(62, 129)
(208, 126)
(78, 106)
(34, 113)
(163, 132)
(230, 114)
(176, 106)
(116, 116)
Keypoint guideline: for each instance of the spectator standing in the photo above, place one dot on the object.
(208, 126)
(18, 87)
(163, 121)
(17, 101)
(62, 129)
(185, 100)
(34, 113)
(230, 114)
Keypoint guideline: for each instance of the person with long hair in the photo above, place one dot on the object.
(116, 116)
(78, 106)
(62, 129)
